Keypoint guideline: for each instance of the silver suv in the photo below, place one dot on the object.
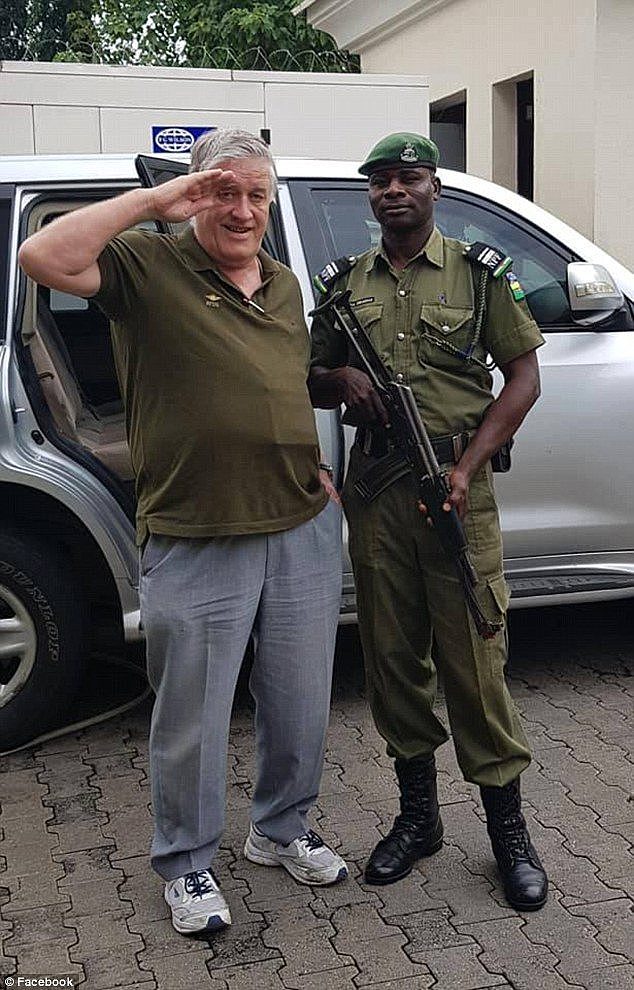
(68, 565)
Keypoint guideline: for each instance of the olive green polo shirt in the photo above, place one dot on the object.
(421, 321)
(221, 430)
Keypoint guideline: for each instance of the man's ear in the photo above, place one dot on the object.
(437, 187)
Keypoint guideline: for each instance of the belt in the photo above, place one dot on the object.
(448, 449)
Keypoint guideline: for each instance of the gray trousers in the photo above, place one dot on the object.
(200, 601)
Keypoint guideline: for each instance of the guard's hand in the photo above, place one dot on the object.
(457, 499)
(359, 395)
(328, 484)
(182, 198)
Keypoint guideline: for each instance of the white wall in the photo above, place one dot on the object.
(580, 53)
(614, 159)
(48, 108)
(94, 108)
(472, 44)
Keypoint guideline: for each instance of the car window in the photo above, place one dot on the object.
(541, 269)
(339, 222)
(346, 219)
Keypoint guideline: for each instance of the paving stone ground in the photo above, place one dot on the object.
(77, 895)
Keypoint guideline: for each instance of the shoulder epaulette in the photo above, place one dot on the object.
(483, 254)
(333, 270)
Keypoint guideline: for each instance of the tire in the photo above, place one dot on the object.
(41, 638)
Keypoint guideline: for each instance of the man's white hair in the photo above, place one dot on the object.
(215, 147)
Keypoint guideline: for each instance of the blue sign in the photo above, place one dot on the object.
(176, 140)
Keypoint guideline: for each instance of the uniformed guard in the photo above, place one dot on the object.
(440, 312)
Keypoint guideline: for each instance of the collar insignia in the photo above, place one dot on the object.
(212, 301)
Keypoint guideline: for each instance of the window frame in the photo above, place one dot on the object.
(549, 243)
(315, 239)
(7, 198)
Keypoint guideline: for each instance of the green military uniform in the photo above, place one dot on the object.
(422, 321)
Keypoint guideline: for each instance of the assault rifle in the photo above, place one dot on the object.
(413, 452)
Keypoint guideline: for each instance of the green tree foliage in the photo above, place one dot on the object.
(129, 32)
(36, 30)
(227, 34)
(263, 35)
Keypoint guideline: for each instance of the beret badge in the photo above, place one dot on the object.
(408, 154)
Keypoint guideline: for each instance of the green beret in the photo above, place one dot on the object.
(402, 149)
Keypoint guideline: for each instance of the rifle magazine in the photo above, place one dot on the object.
(381, 475)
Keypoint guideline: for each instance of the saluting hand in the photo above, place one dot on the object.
(182, 198)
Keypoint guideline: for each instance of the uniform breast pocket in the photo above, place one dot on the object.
(368, 314)
(449, 327)
(446, 321)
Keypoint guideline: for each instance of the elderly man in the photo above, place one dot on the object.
(435, 310)
(239, 526)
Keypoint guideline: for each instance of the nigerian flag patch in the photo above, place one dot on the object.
(515, 286)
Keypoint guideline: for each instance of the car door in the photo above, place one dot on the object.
(569, 496)
(570, 490)
(6, 201)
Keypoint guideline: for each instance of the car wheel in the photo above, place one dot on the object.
(41, 638)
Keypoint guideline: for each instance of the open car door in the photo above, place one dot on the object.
(153, 172)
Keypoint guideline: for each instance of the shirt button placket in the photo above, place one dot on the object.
(402, 322)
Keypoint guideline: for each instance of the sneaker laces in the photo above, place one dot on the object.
(311, 840)
(199, 882)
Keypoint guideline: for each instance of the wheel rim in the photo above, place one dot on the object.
(18, 645)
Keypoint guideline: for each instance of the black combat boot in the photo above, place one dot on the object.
(417, 831)
(525, 880)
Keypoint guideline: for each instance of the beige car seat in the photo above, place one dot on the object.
(103, 436)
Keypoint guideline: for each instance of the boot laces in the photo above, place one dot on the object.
(416, 805)
(516, 835)
(401, 829)
(512, 836)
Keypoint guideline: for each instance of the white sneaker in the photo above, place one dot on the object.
(308, 859)
(196, 903)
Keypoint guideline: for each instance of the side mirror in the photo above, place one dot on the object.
(593, 293)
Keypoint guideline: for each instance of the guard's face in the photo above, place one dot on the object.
(231, 230)
(403, 198)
